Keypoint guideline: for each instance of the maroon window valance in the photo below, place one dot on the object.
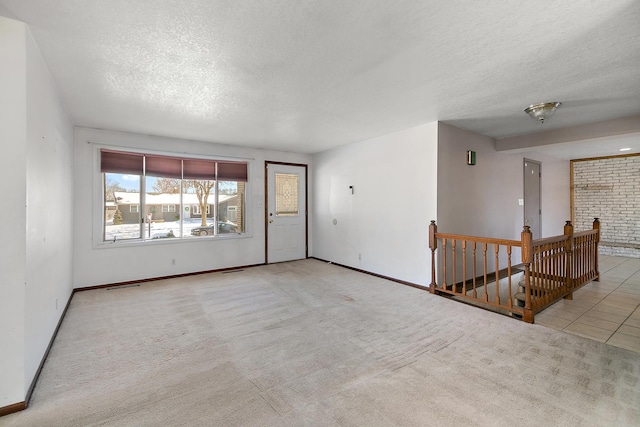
(171, 167)
(119, 162)
(232, 171)
(199, 169)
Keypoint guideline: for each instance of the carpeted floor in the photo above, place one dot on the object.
(309, 343)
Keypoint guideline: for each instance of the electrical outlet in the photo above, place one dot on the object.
(360, 257)
(173, 261)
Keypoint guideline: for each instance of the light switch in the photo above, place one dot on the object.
(521, 202)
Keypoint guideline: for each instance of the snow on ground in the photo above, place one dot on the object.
(155, 230)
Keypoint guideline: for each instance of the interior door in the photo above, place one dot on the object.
(532, 209)
(286, 221)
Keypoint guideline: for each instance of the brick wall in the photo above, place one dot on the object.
(609, 189)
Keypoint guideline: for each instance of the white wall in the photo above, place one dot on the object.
(49, 228)
(97, 265)
(36, 259)
(383, 226)
(482, 200)
(12, 226)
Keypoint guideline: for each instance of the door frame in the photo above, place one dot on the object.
(524, 192)
(266, 206)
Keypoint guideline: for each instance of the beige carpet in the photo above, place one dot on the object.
(308, 343)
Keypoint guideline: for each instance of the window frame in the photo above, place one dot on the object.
(99, 220)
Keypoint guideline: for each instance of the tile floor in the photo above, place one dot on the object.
(607, 311)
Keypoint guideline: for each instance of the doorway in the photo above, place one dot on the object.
(286, 215)
(532, 188)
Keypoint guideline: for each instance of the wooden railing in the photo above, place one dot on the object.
(552, 268)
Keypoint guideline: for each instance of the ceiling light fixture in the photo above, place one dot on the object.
(542, 111)
(625, 149)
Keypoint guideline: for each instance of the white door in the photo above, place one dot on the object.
(532, 210)
(286, 212)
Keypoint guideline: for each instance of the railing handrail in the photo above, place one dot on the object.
(505, 242)
(585, 233)
(549, 240)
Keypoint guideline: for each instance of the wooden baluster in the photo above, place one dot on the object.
(525, 239)
(484, 259)
(543, 285)
(510, 303)
(552, 281)
(589, 256)
(559, 273)
(535, 255)
(586, 255)
(556, 273)
(433, 245)
(583, 258)
(568, 248)
(475, 294)
(454, 265)
(562, 265)
(444, 264)
(535, 279)
(592, 256)
(537, 282)
(577, 259)
(464, 266)
(497, 249)
(596, 226)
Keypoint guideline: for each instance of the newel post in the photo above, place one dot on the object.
(526, 247)
(596, 226)
(568, 258)
(433, 245)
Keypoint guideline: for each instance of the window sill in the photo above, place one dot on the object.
(170, 241)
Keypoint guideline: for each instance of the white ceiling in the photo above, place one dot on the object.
(305, 76)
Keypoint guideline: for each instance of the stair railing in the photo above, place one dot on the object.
(552, 268)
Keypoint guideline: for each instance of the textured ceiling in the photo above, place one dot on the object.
(306, 76)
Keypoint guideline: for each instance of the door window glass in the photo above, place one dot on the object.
(286, 194)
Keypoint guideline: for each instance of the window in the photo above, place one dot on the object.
(197, 210)
(231, 206)
(286, 194)
(153, 197)
(232, 213)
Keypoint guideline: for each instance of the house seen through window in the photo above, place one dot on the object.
(149, 197)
